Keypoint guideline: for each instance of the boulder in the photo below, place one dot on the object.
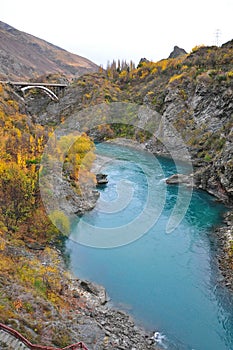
(95, 289)
(180, 179)
(101, 179)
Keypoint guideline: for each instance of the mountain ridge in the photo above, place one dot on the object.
(24, 56)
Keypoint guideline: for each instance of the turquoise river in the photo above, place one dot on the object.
(169, 282)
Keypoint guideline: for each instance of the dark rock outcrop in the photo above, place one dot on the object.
(228, 44)
(142, 60)
(177, 51)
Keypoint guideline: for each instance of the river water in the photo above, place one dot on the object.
(169, 282)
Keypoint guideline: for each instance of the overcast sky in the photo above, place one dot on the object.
(103, 30)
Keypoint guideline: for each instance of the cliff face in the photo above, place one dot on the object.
(23, 56)
(202, 112)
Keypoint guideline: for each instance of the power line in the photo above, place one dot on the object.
(217, 37)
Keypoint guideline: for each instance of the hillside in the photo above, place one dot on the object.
(23, 56)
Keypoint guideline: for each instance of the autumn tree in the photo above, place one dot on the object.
(16, 194)
(80, 155)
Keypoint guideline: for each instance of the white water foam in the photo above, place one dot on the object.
(159, 339)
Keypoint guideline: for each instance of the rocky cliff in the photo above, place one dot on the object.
(202, 112)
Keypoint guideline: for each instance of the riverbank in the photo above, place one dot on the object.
(68, 311)
(101, 326)
(224, 235)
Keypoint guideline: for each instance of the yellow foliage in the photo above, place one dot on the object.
(123, 74)
(176, 77)
(164, 64)
(80, 153)
(2, 114)
(6, 264)
(53, 297)
(144, 73)
(51, 255)
(3, 228)
(2, 244)
(197, 47)
(40, 144)
(43, 278)
(21, 161)
(154, 70)
(16, 193)
(13, 104)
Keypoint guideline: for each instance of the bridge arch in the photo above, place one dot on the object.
(49, 92)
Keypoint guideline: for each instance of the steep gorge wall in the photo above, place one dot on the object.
(203, 115)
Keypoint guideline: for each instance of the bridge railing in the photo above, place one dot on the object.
(17, 335)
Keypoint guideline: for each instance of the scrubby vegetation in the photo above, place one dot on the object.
(28, 239)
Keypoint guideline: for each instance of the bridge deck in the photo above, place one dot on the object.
(24, 83)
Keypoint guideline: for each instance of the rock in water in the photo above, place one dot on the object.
(180, 179)
(101, 179)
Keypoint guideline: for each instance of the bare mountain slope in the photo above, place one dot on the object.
(23, 56)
